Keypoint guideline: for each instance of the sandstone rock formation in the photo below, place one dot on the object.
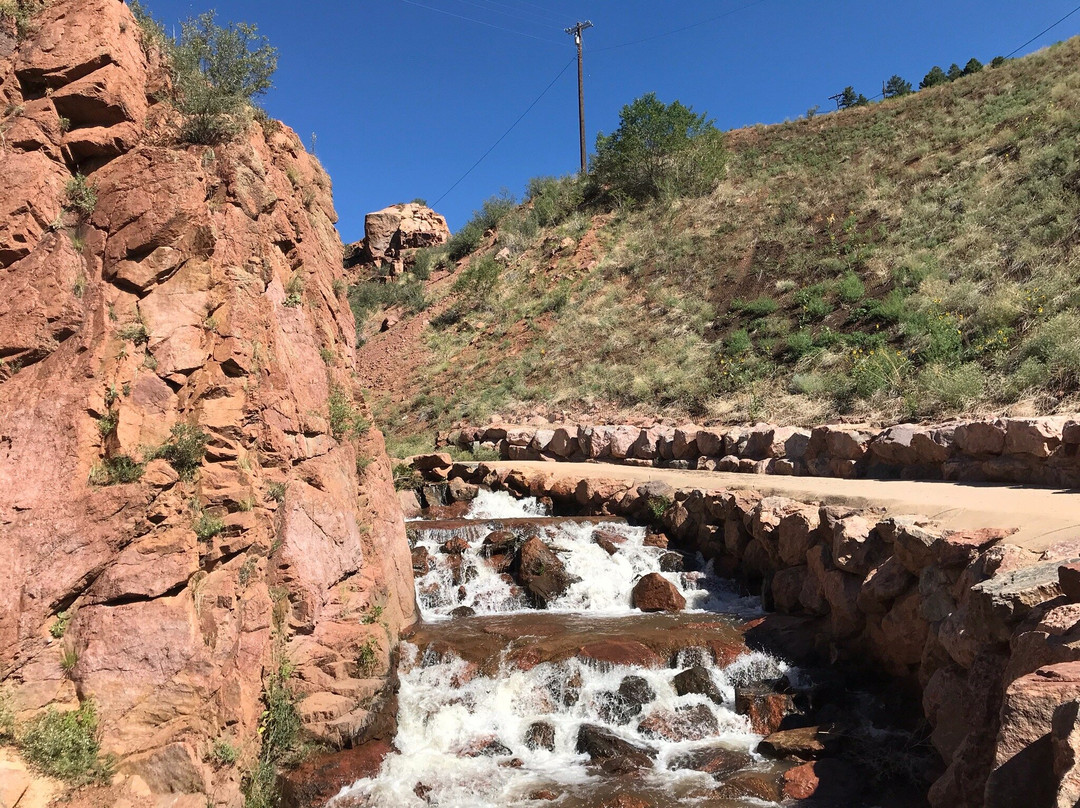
(196, 299)
(389, 231)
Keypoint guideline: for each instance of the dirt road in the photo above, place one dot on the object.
(1044, 516)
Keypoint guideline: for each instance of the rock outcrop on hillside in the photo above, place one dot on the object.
(390, 231)
(200, 295)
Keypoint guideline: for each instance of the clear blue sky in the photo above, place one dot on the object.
(404, 98)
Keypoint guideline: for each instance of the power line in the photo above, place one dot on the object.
(542, 11)
(1048, 30)
(523, 13)
(684, 28)
(505, 134)
(481, 22)
(514, 15)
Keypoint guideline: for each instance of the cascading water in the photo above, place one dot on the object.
(480, 728)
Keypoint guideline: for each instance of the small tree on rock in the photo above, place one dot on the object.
(218, 72)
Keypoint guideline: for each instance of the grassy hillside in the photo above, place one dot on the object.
(913, 258)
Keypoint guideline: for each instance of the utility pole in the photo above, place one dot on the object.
(577, 31)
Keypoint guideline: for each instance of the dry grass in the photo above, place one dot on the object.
(914, 258)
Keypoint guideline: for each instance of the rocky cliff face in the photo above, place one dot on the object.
(202, 293)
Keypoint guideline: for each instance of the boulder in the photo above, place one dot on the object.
(1023, 766)
(765, 709)
(613, 753)
(541, 573)
(980, 438)
(622, 441)
(805, 743)
(540, 735)
(856, 546)
(697, 680)
(998, 604)
(1033, 437)
(719, 761)
(655, 593)
(685, 723)
(1065, 749)
(402, 227)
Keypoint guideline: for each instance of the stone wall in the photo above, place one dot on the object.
(1035, 451)
(988, 631)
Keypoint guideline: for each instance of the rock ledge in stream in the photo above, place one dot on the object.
(655, 593)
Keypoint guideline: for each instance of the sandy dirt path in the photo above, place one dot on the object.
(1043, 516)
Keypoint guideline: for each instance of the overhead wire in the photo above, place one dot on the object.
(522, 14)
(481, 22)
(674, 31)
(1048, 30)
(505, 134)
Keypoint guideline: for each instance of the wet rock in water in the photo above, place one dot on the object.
(542, 574)
(686, 723)
(463, 611)
(697, 680)
(655, 593)
(540, 735)
(499, 542)
(615, 709)
(608, 540)
(461, 491)
(718, 761)
(625, 801)
(620, 652)
(565, 691)
(672, 562)
(500, 563)
(544, 794)
(830, 779)
(421, 562)
(456, 546)
(805, 743)
(486, 747)
(656, 540)
(611, 751)
(636, 690)
(759, 785)
(421, 790)
(319, 778)
(765, 709)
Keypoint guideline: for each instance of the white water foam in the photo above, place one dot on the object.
(446, 713)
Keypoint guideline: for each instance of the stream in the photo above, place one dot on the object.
(585, 702)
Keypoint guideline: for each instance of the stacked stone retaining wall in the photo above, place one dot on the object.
(1034, 451)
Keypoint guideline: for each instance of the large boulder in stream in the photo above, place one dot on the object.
(655, 593)
(611, 752)
(542, 575)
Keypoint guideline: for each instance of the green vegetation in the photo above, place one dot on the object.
(81, 195)
(914, 258)
(280, 732)
(22, 12)
(65, 744)
(207, 526)
(276, 491)
(185, 449)
(367, 658)
(57, 629)
(116, 471)
(7, 719)
(659, 150)
(345, 419)
(223, 753)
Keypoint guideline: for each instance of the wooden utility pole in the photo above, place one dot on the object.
(577, 31)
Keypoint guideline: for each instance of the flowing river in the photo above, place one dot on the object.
(586, 702)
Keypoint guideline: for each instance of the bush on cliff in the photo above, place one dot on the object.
(217, 72)
(65, 744)
(22, 13)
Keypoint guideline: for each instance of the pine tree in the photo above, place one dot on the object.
(935, 77)
(973, 66)
(954, 72)
(896, 86)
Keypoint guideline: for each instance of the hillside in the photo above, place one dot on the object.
(912, 258)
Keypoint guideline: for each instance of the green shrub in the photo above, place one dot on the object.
(116, 471)
(478, 281)
(759, 307)
(466, 240)
(554, 199)
(223, 753)
(185, 450)
(207, 526)
(276, 491)
(406, 478)
(850, 288)
(950, 388)
(799, 344)
(135, 332)
(22, 12)
(64, 744)
(294, 291)
(57, 629)
(280, 732)
(345, 419)
(738, 343)
(217, 72)
(367, 658)
(81, 195)
(659, 150)
(7, 719)
(425, 260)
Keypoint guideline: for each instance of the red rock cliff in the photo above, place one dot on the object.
(203, 289)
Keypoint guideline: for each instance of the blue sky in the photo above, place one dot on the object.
(403, 96)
